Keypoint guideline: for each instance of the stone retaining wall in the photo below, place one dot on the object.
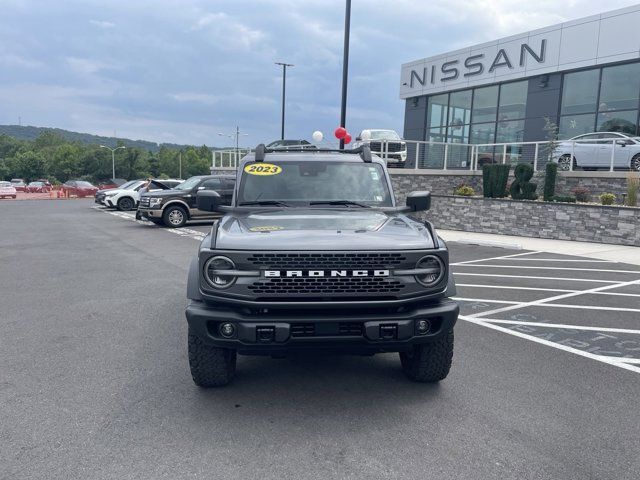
(580, 222)
(441, 183)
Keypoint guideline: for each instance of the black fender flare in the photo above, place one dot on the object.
(193, 280)
(451, 290)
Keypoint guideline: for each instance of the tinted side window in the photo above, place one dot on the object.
(212, 184)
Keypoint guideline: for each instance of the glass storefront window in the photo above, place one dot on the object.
(485, 104)
(624, 122)
(437, 110)
(512, 131)
(458, 134)
(572, 125)
(483, 133)
(460, 108)
(580, 92)
(513, 100)
(620, 87)
(437, 134)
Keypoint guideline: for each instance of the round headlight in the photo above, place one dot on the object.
(214, 272)
(433, 270)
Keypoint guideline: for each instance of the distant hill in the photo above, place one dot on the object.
(31, 133)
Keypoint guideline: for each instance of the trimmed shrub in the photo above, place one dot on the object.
(607, 198)
(494, 180)
(464, 190)
(582, 194)
(522, 188)
(564, 199)
(551, 171)
(633, 184)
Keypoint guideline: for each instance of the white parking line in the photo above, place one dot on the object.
(460, 274)
(637, 272)
(551, 299)
(561, 325)
(493, 258)
(484, 300)
(508, 287)
(554, 260)
(603, 359)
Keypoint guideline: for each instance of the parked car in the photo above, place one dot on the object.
(292, 145)
(79, 188)
(592, 151)
(157, 185)
(7, 190)
(128, 198)
(111, 183)
(101, 193)
(387, 144)
(38, 187)
(175, 207)
(19, 184)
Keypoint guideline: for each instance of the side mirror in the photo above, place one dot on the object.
(622, 143)
(419, 201)
(208, 200)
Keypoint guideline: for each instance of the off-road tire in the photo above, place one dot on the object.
(210, 366)
(125, 204)
(174, 216)
(429, 362)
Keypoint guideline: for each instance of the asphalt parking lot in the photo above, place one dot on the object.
(94, 380)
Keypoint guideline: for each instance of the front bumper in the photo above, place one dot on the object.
(273, 333)
(150, 212)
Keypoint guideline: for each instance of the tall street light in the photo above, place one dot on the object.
(235, 135)
(113, 158)
(284, 85)
(345, 68)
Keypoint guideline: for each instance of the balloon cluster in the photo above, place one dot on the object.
(342, 134)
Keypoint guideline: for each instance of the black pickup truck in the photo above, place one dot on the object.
(313, 253)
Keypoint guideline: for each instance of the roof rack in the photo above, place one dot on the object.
(363, 150)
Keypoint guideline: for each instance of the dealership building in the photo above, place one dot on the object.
(583, 75)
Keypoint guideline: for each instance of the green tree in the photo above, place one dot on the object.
(30, 165)
(65, 163)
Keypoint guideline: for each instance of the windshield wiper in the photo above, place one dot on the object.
(273, 203)
(346, 203)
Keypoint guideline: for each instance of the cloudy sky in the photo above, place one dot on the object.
(182, 71)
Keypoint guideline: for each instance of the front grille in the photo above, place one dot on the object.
(387, 147)
(303, 329)
(331, 286)
(144, 202)
(310, 261)
(325, 329)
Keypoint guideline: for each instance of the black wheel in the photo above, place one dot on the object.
(429, 362)
(564, 163)
(210, 366)
(635, 163)
(125, 203)
(138, 215)
(174, 216)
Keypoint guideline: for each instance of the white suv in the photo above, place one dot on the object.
(592, 151)
(387, 144)
(128, 198)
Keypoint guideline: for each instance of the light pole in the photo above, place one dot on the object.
(345, 68)
(113, 158)
(235, 135)
(284, 86)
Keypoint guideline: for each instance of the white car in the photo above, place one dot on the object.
(7, 190)
(127, 198)
(592, 151)
(387, 144)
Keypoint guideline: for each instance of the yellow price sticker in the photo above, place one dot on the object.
(266, 228)
(262, 169)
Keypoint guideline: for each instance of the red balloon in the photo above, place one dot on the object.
(347, 138)
(340, 133)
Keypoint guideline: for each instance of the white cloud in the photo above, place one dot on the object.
(102, 23)
(86, 66)
(192, 97)
(228, 33)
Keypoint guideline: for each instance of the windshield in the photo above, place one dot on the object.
(132, 185)
(84, 184)
(125, 186)
(384, 135)
(303, 182)
(188, 184)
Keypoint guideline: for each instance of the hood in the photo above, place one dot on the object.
(321, 229)
(170, 192)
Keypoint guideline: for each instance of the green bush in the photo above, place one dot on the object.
(465, 191)
(551, 171)
(633, 183)
(521, 187)
(564, 199)
(494, 180)
(607, 198)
